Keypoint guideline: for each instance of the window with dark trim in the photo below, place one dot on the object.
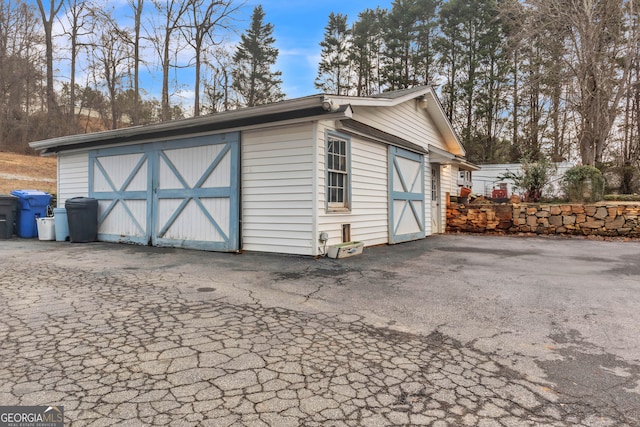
(338, 180)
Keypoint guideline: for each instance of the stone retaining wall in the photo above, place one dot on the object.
(608, 219)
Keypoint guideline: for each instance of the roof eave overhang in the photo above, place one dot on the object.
(302, 109)
(380, 101)
(436, 111)
(438, 155)
(465, 165)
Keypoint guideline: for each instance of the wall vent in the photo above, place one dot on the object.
(346, 233)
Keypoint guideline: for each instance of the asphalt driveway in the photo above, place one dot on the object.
(451, 330)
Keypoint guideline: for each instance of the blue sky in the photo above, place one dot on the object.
(298, 30)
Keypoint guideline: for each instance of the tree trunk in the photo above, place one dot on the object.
(136, 60)
(166, 108)
(47, 23)
(196, 97)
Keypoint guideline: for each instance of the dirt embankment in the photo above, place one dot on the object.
(22, 172)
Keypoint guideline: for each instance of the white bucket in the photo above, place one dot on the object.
(46, 228)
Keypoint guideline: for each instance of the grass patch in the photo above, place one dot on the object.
(22, 172)
(622, 197)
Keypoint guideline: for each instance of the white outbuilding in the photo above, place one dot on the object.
(275, 178)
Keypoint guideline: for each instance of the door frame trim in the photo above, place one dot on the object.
(437, 212)
(151, 153)
(409, 197)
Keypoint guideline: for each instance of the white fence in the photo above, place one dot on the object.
(486, 179)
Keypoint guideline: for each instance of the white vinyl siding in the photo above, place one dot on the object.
(448, 184)
(405, 120)
(452, 177)
(283, 205)
(410, 122)
(277, 196)
(369, 193)
(427, 206)
(73, 176)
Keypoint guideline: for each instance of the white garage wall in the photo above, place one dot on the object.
(427, 197)
(405, 120)
(277, 182)
(414, 124)
(369, 193)
(73, 176)
(448, 184)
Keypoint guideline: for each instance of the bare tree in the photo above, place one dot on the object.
(111, 54)
(137, 7)
(21, 75)
(80, 24)
(171, 14)
(205, 16)
(629, 155)
(217, 88)
(48, 14)
(599, 58)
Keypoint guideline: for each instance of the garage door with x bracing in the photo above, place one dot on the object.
(181, 193)
(406, 195)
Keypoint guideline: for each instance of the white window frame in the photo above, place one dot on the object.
(342, 159)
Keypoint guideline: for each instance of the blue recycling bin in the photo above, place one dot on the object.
(32, 204)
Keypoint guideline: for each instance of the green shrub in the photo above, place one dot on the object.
(533, 179)
(584, 184)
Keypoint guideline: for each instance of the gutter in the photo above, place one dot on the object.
(282, 111)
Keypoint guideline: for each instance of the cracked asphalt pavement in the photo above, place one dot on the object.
(449, 331)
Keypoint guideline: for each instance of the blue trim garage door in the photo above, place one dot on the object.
(180, 193)
(406, 196)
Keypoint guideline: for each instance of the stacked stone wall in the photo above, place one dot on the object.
(609, 220)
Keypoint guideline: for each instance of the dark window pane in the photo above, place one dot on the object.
(337, 171)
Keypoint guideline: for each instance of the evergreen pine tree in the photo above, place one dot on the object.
(424, 60)
(472, 57)
(253, 78)
(365, 52)
(409, 35)
(334, 74)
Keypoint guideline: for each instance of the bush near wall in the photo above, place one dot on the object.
(607, 220)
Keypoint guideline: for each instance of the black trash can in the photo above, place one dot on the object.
(8, 207)
(82, 214)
